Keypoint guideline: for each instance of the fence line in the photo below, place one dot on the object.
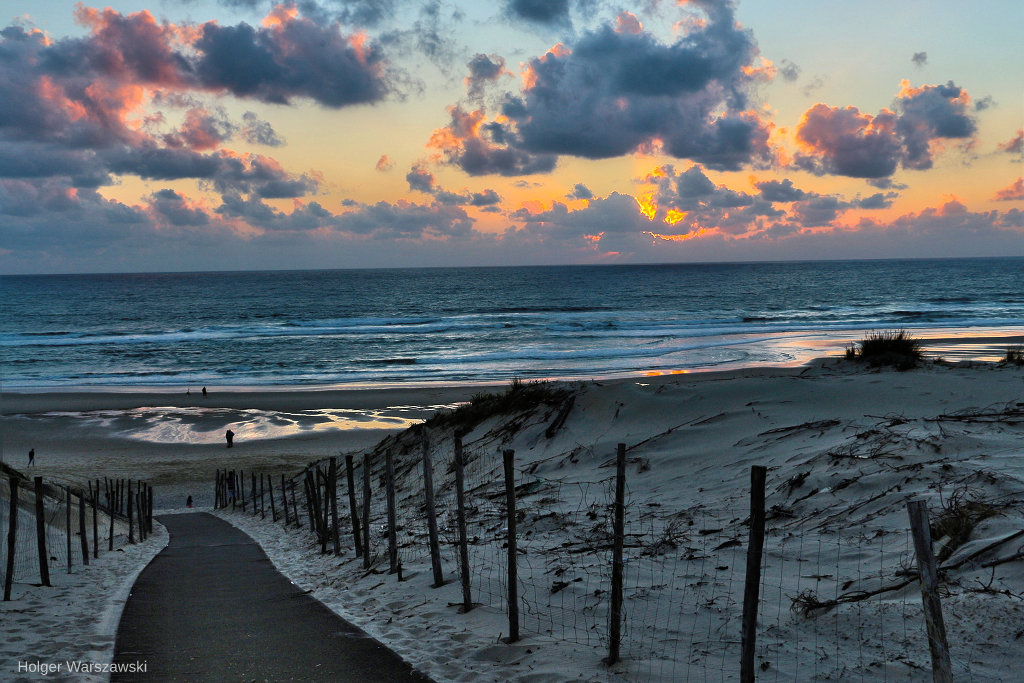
(832, 601)
(45, 525)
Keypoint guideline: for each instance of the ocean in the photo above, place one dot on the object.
(479, 325)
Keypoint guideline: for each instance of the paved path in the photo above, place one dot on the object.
(211, 606)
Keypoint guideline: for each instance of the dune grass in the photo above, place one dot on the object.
(1014, 355)
(517, 398)
(897, 348)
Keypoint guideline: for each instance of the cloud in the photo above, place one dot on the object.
(481, 148)
(202, 130)
(258, 132)
(788, 70)
(422, 180)
(1014, 145)
(581, 191)
(406, 221)
(851, 143)
(539, 11)
(484, 69)
(780, 191)
(384, 164)
(919, 59)
(612, 93)
(289, 57)
(1012, 192)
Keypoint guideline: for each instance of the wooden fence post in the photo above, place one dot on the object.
(44, 557)
(263, 500)
(460, 499)
(110, 509)
(350, 476)
(619, 532)
(942, 668)
(323, 485)
(389, 487)
(751, 588)
(81, 528)
(253, 477)
(131, 532)
(149, 509)
(366, 510)
(428, 488)
(295, 508)
(67, 523)
(12, 537)
(95, 519)
(284, 501)
(332, 485)
(513, 574)
(270, 489)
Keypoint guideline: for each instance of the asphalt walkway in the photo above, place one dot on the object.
(211, 606)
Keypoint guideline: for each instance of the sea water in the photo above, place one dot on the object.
(466, 325)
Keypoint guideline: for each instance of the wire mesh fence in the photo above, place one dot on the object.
(62, 523)
(836, 601)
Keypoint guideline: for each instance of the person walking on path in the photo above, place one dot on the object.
(230, 436)
(32, 457)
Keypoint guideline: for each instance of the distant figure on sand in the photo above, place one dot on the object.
(230, 436)
(188, 503)
(32, 457)
(204, 392)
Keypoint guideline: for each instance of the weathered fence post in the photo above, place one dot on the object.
(67, 522)
(94, 496)
(332, 484)
(460, 499)
(366, 510)
(44, 557)
(12, 537)
(149, 509)
(263, 500)
(131, 532)
(270, 489)
(295, 508)
(110, 509)
(751, 588)
(81, 528)
(619, 532)
(326, 502)
(389, 487)
(513, 575)
(428, 488)
(350, 476)
(253, 477)
(942, 669)
(284, 501)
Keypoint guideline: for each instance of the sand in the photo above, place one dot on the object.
(846, 447)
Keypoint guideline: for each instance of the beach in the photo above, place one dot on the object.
(846, 446)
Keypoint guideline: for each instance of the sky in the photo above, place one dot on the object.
(247, 135)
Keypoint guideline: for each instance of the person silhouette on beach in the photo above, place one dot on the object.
(32, 457)
(230, 436)
(204, 392)
(188, 503)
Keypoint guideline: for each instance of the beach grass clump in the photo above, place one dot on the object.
(960, 514)
(519, 397)
(897, 348)
(1014, 355)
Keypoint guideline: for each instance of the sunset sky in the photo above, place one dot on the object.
(374, 133)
